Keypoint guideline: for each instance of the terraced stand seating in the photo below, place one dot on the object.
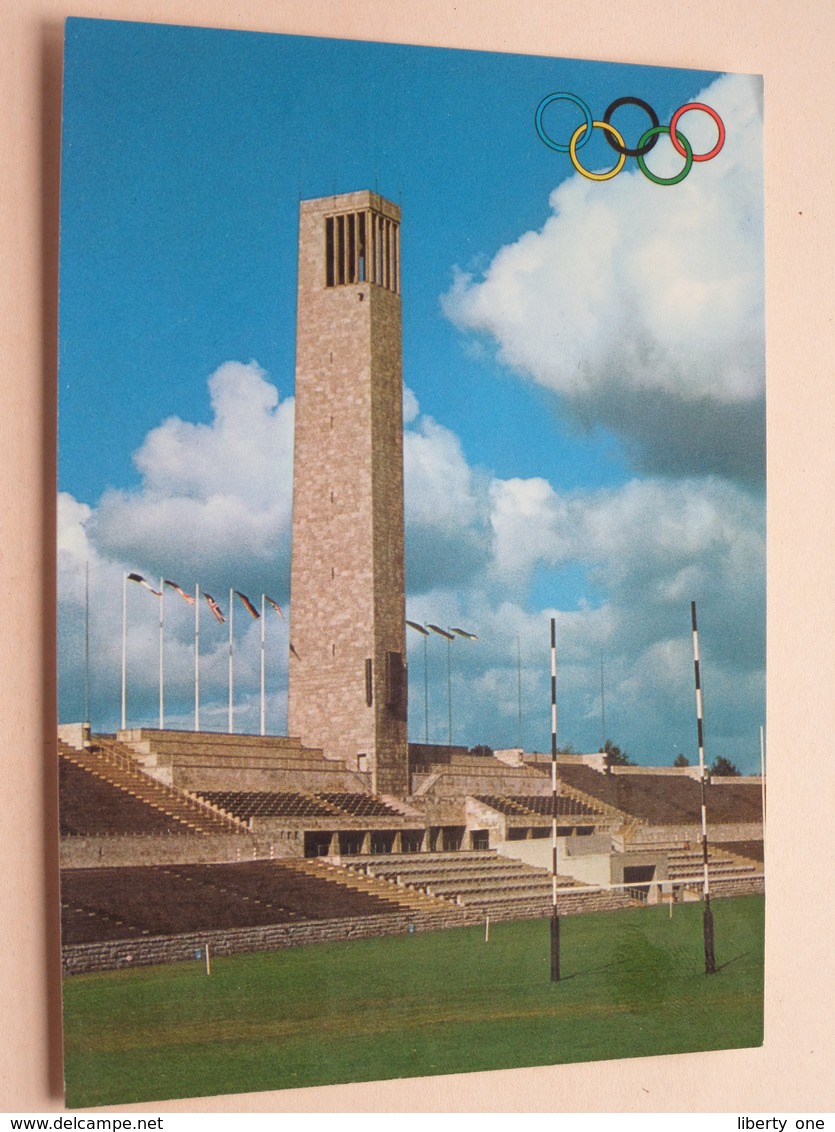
(314, 856)
(103, 792)
(503, 887)
(542, 805)
(361, 805)
(109, 904)
(215, 761)
(286, 804)
(247, 804)
(667, 799)
(689, 863)
(90, 806)
(460, 774)
(753, 851)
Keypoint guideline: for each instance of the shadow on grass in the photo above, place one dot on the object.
(729, 962)
(590, 971)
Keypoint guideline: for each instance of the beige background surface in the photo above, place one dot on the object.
(791, 43)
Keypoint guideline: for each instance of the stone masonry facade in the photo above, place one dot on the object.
(347, 684)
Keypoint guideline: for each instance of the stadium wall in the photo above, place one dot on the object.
(176, 849)
(85, 958)
(663, 835)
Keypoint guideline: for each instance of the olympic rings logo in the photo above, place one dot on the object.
(615, 139)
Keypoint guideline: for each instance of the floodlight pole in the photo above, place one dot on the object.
(425, 633)
(449, 636)
(449, 686)
(555, 916)
(425, 693)
(710, 959)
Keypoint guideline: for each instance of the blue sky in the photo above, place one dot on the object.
(585, 434)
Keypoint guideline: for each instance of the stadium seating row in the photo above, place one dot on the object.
(100, 904)
(102, 793)
(666, 799)
(279, 804)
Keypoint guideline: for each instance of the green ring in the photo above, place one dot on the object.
(688, 162)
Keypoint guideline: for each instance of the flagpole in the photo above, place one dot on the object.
(762, 777)
(197, 657)
(263, 687)
(449, 686)
(231, 684)
(602, 707)
(124, 649)
(519, 687)
(87, 642)
(161, 678)
(555, 915)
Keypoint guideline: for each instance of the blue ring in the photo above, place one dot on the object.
(558, 146)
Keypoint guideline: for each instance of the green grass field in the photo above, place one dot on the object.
(633, 984)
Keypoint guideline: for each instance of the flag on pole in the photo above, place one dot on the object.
(215, 608)
(275, 605)
(293, 651)
(142, 582)
(464, 633)
(250, 608)
(180, 591)
(420, 628)
(442, 632)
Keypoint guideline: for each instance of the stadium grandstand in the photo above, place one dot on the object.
(173, 841)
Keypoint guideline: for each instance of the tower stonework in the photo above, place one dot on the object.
(347, 682)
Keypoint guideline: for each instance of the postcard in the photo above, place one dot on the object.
(411, 561)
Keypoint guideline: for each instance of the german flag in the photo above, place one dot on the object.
(215, 608)
(142, 582)
(180, 591)
(250, 608)
(275, 606)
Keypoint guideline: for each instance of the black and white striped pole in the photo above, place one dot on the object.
(555, 916)
(710, 959)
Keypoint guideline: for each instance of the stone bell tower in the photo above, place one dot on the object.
(347, 683)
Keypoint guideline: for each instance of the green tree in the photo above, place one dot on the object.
(724, 768)
(681, 760)
(481, 751)
(614, 755)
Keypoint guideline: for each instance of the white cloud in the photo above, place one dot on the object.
(215, 498)
(636, 299)
(476, 545)
(446, 508)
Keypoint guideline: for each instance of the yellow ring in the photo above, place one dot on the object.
(572, 149)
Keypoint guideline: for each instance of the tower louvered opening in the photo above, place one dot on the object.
(362, 247)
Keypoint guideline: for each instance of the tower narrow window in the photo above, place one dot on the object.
(352, 248)
(340, 249)
(329, 279)
(362, 247)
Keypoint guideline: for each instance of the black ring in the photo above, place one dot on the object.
(641, 151)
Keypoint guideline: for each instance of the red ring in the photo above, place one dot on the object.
(720, 125)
